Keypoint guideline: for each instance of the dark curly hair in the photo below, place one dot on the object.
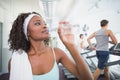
(17, 38)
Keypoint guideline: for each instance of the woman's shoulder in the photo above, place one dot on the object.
(59, 53)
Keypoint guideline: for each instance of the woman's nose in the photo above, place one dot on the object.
(45, 25)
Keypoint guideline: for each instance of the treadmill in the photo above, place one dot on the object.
(114, 62)
(91, 60)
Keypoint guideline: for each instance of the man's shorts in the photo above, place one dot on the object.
(103, 57)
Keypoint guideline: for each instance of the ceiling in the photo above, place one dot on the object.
(63, 7)
(73, 10)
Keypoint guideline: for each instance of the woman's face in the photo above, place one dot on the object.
(37, 29)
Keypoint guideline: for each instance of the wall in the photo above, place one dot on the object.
(91, 13)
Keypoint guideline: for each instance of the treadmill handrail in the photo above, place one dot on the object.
(91, 56)
(86, 52)
(112, 63)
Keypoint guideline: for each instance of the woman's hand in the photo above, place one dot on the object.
(66, 35)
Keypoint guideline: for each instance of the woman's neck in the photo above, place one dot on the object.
(37, 47)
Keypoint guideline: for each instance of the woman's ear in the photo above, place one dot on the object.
(28, 34)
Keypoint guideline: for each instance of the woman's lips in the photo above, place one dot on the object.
(45, 31)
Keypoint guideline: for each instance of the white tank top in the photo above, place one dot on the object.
(53, 74)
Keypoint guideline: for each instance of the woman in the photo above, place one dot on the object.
(28, 38)
(102, 51)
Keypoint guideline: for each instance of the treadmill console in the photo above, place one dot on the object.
(117, 47)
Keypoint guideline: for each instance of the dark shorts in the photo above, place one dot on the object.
(103, 57)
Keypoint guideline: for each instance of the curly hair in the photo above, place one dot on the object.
(17, 38)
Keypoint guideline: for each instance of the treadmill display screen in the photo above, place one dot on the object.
(117, 47)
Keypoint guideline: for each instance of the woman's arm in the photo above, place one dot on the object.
(79, 68)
